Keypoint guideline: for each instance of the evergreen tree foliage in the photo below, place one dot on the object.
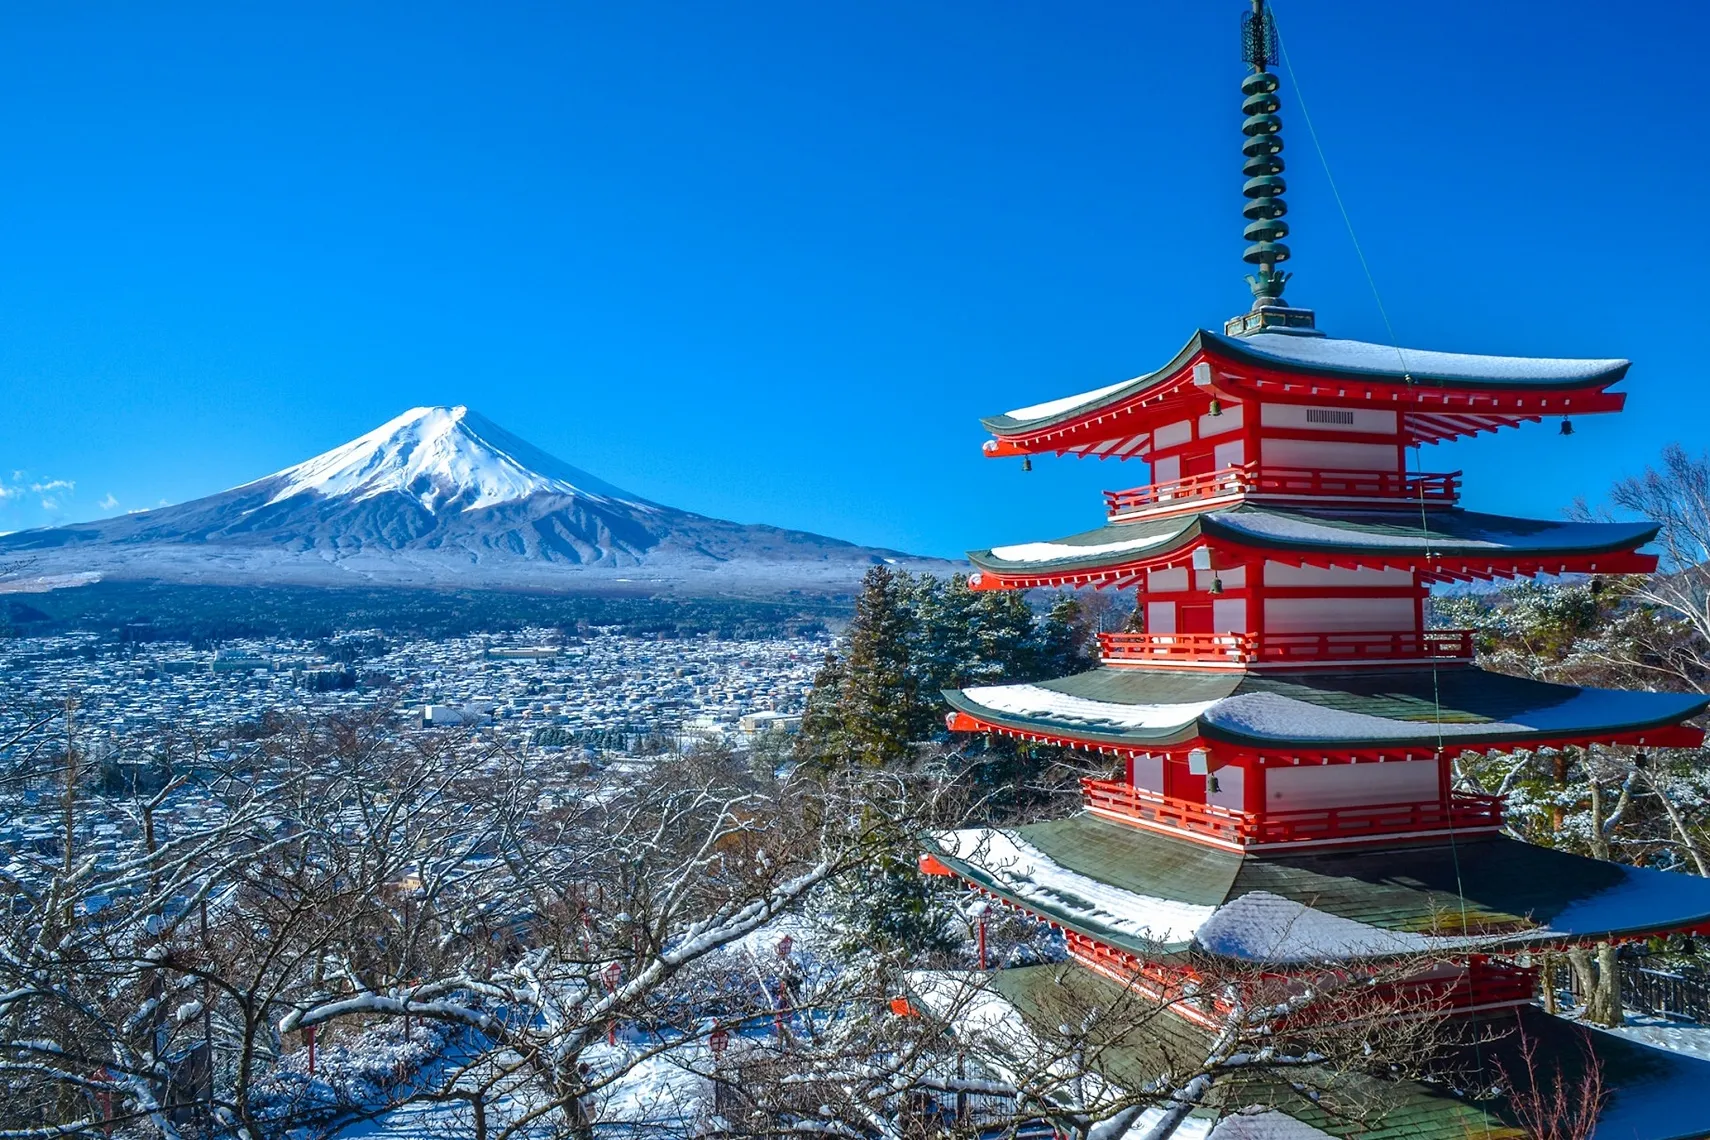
(876, 708)
(877, 699)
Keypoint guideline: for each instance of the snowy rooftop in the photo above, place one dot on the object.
(1305, 710)
(1397, 531)
(1156, 895)
(1331, 357)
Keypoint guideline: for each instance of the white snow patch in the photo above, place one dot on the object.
(1688, 1038)
(438, 456)
(1263, 927)
(1056, 407)
(1030, 876)
(1264, 1124)
(1035, 701)
(1053, 551)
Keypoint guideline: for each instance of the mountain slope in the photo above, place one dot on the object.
(444, 496)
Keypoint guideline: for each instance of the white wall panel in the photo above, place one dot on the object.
(1230, 420)
(1229, 615)
(1322, 615)
(1149, 773)
(1231, 787)
(1160, 617)
(1349, 785)
(1168, 581)
(1171, 434)
(1281, 574)
(1329, 455)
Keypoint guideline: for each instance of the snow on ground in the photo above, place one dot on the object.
(1685, 1037)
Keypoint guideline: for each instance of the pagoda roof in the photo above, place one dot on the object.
(1310, 355)
(1461, 543)
(1156, 895)
(1653, 1094)
(1308, 711)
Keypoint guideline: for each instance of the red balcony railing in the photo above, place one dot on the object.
(1479, 983)
(1113, 798)
(1286, 482)
(1284, 648)
(1309, 825)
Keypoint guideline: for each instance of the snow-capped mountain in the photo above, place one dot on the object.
(444, 497)
(446, 459)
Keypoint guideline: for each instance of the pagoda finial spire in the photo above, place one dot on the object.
(1264, 186)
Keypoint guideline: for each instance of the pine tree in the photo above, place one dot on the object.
(1065, 642)
(877, 710)
(820, 741)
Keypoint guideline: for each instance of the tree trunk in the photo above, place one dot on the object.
(1600, 982)
(1599, 841)
(1547, 976)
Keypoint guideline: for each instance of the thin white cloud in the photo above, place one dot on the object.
(50, 504)
(54, 485)
(108, 502)
(7, 492)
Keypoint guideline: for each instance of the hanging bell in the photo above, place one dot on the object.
(1216, 408)
(1027, 463)
(1597, 585)
(1217, 585)
(1567, 426)
(1641, 761)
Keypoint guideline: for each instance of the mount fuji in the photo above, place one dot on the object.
(444, 497)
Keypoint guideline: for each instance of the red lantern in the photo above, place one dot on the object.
(718, 1040)
(784, 946)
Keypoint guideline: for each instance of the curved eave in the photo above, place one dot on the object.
(1421, 365)
(1641, 719)
(1456, 399)
(1324, 539)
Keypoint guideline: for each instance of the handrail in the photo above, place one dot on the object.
(1254, 479)
(1282, 648)
(1359, 821)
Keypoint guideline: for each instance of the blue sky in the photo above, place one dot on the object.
(771, 261)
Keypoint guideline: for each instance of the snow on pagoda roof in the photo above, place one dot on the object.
(1307, 710)
(1331, 358)
(1154, 895)
(1455, 533)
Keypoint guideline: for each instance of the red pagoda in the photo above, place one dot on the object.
(1285, 728)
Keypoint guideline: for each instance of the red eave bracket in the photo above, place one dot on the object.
(931, 866)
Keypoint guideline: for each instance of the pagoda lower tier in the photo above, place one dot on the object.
(1438, 545)
(1161, 899)
(1651, 1094)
